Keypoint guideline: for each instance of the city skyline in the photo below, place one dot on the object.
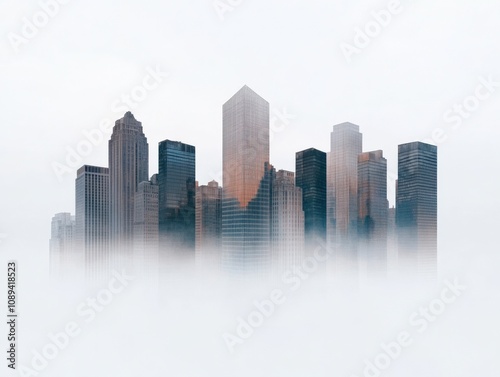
(261, 219)
(80, 67)
(393, 102)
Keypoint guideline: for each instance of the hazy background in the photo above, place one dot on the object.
(66, 79)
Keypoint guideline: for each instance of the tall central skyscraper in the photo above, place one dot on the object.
(246, 183)
(342, 195)
(128, 166)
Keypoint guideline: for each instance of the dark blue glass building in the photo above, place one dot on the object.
(177, 190)
(310, 176)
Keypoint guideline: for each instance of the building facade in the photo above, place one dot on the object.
(177, 190)
(373, 212)
(342, 196)
(146, 230)
(209, 226)
(310, 170)
(92, 220)
(128, 166)
(246, 183)
(416, 208)
(287, 224)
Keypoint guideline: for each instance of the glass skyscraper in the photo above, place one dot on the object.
(92, 220)
(246, 183)
(346, 145)
(128, 166)
(372, 212)
(177, 189)
(310, 176)
(416, 208)
(342, 196)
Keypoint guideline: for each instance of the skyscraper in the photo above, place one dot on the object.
(128, 166)
(63, 256)
(416, 208)
(92, 220)
(287, 224)
(177, 189)
(372, 212)
(246, 183)
(146, 230)
(310, 169)
(342, 196)
(208, 226)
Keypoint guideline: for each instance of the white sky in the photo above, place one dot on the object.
(66, 79)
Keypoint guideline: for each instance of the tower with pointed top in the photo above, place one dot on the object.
(128, 166)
